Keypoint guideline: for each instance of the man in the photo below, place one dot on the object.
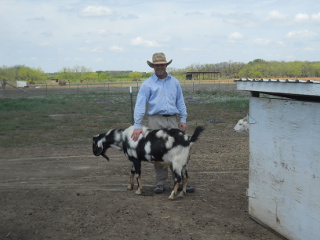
(163, 96)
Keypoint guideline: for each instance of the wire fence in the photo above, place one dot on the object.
(11, 91)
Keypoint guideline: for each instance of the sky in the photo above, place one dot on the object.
(113, 35)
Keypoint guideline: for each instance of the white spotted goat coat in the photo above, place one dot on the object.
(164, 146)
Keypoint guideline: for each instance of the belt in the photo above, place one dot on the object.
(164, 115)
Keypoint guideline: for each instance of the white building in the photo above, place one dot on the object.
(22, 84)
(284, 138)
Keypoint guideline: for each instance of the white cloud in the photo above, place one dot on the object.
(316, 16)
(138, 41)
(239, 18)
(102, 32)
(301, 17)
(44, 44)
(261, 41)
(276, 15)
(75, 59)
(189, 49)
(99, 59)
(95, 11)
(116, 49)
(233, 37)
(301, 34)
(33, 58)
(308, 49)
(167, 39)
(97, 49)
(280, 43)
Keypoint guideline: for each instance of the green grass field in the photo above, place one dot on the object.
(75, 118)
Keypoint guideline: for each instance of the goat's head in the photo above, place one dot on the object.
(99, 146)
(242, 125)
(102, 142)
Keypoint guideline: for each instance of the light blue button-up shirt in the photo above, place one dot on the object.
(162, 96)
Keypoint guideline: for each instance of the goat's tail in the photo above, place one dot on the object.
(196, 134)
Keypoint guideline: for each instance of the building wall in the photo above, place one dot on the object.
(284, 176)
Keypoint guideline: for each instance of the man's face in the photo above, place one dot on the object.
(160, 70)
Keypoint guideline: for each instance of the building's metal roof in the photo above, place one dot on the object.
(277, 80)
(281, 87)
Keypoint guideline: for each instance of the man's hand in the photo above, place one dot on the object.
(136, 133)
(183, 126)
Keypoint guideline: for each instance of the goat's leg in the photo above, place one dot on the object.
(177, 181)
(184, 187)
(184, 184)
(131, 183)
(139, 190)
(137, 167)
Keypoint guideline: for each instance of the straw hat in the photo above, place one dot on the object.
(158, 58)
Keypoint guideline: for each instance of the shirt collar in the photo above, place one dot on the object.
(155, 78)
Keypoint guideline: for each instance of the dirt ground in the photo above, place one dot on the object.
(67, 193)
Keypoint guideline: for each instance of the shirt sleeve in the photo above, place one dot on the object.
(140, 107)
(181, 105)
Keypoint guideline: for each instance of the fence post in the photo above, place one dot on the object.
(3, 87)
(193, 86)
(132, 120)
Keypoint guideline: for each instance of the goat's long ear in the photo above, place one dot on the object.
(97, 146)
(105, 156)
(96, 150)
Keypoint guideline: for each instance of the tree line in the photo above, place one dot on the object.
(22, 73)
(76, 74)
(257, 68)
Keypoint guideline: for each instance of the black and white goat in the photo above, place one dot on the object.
(165, 146)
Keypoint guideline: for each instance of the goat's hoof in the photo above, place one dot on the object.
(138, 192)
(171, 197)
(130, 187)
(181, 194)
